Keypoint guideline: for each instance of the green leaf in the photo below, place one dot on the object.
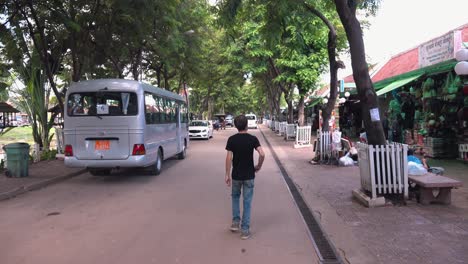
(3, 86)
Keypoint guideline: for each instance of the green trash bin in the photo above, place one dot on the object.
(17, 156)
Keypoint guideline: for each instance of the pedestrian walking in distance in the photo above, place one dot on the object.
(240, 156)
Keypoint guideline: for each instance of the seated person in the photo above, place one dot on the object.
(413, 158)
(423, 162)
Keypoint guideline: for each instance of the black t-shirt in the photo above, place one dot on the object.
(242, 146)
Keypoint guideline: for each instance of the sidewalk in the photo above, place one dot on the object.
(391, 234)
(41, 174)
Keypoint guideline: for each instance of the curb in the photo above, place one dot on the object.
(38, 185)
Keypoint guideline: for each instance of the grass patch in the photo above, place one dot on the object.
(22, 134)
(17, 134)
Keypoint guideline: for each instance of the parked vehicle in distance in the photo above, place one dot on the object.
(229, 121)
(114, 123)
(200, 129)
(251, 121)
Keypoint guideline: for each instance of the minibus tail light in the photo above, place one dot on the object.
(139, 149)
(68, 151)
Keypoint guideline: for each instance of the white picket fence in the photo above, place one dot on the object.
(384, 169)
(303, 137)
(323, 149)
(282, 128)
(290, 132)
(277, 126)
(463, 150)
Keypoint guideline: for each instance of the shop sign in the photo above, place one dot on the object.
(440, 49)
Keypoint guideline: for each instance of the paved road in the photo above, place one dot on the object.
(180, 216)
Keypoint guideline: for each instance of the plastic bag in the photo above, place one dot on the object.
(346, 161)
(416, 168)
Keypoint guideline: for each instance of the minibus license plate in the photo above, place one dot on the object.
(102, 145)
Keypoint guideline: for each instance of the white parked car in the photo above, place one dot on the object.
(200, 129)
(251, 121)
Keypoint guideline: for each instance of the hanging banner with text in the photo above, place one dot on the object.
(439, 49)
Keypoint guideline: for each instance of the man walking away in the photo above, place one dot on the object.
(240, 156)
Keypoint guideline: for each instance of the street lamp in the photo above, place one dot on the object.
(462, 66)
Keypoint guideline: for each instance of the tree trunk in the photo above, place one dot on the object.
(75, 63)
(159, 73)
(210, 109)
(300, 118)
(78, 38)
(270, 99)
(278, 106)
(274, 94)
(137, 64)
(166, 78)
(326, 113)
(333, 64)
(117, 67)
(289, 100)
(367, 95)
(290, 117)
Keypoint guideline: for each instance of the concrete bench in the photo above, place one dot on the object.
(429, 183)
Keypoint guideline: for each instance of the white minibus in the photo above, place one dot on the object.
(116, 123)
(251, 121)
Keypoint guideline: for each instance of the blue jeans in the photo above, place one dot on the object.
(247, 191)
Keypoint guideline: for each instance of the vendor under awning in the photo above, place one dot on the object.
(392, 83)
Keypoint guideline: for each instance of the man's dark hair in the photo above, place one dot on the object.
(410, 152)
(240, 122)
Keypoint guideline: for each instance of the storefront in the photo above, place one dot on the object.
(422, 100)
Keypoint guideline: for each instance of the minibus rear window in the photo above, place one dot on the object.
(102, 104)
(250, 117)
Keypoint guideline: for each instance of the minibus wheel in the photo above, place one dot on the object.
(183, 153)
(156, 168)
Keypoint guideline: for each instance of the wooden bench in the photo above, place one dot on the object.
(429, 183)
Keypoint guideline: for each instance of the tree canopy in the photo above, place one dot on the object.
(238, 56)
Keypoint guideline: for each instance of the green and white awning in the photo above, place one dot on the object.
(397, 84)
